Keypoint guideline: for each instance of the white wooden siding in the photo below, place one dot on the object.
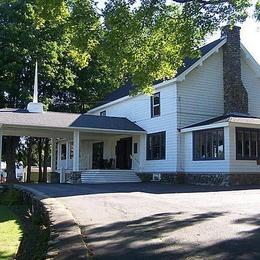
(138, 110)
(212, 166)
(252, 85)
(201, 94)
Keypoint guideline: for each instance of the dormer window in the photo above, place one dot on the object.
(103, 113)
(155, 105)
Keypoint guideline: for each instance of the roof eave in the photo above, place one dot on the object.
(71, 129)
(204, 127)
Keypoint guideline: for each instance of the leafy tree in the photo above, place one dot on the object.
(59, 34)
(149, 41)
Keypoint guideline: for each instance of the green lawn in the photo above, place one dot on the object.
(10, 233)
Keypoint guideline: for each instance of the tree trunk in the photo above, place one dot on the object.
(45, 158)
(29, 159)
(11, 145)
(40, 159)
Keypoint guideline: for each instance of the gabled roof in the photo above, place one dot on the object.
(188, 62)
(21, 117)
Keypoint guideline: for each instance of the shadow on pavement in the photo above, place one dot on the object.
(144, 239)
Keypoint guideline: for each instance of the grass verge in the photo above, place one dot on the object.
(11, 233)
(34, 233)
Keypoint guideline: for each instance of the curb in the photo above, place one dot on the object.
(66, 241)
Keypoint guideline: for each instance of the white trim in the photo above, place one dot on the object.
(53, 155)
(181, 77)
(71, 129)
(76, 151)
(204, 127)
(248, 121)
(201, 60)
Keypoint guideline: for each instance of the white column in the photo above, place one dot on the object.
(53, 154)
(142, 151)
(67, 154)
(76, 150)
(59, 157)
(1, 144)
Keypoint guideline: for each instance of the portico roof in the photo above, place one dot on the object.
(16, 118)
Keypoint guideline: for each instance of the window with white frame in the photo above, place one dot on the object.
(155, 105)
(103, 113)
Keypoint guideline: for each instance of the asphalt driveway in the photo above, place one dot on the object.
(142, 221)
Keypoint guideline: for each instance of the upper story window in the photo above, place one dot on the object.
(155, 105)
(208, 144)
(156, 146)
(247, 144)
(103, 113)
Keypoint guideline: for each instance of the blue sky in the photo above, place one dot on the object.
(250, 34)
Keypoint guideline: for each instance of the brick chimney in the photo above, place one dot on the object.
(235, 94)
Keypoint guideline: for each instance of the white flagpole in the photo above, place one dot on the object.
(35, 87)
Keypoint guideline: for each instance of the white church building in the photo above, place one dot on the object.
(200, 127)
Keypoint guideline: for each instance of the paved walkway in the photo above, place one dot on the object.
(142, 221)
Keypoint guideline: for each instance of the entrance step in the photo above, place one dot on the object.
(109, 176)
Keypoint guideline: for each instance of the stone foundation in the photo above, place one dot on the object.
(209, 179)
(244, 178)
(170, 178)
(73, 177)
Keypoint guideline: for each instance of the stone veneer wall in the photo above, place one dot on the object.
(210, 179)
(235, 94)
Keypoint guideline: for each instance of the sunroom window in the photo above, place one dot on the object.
(208, 144)
(247, 144)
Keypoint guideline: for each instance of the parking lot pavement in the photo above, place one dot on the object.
(146, 220)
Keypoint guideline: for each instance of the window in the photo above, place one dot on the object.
(135, 147)
(155, 146)
(247, 144)
(63, 152)
(103, 113)
(155, 105)
(71, 150)
(208, 144)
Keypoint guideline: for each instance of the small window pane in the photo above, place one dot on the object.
(156, 111)
(156, 99)
(253, 144)
(246, 144)
(63, 152)
(239, 143)
(215, 144)
(103, 113)
(71, 150)
(135, 147)
(220, 144)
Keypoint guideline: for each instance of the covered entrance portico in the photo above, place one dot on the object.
(79, 142)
